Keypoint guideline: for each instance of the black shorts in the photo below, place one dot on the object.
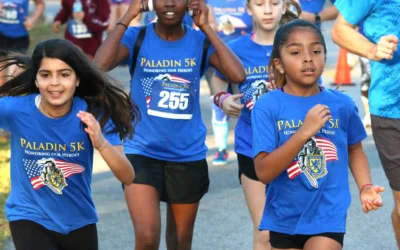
(386, 133)
(176, 182)
(29, 235)
(246, 167)
(287, 241)
(16, 44)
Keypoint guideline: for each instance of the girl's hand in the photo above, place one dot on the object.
(200, 12)
(93, 129)
(134, 9)
(231, 107)
(370, 198)
(315, 120)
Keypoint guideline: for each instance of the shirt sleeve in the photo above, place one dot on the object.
(355, 129)
(5, 106)
(265, 133)
(129, 40)
(355, 11)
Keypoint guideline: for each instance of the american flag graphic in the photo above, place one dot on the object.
(147, 84)
(33, 171)
(248, 92)
(178, 79)
(327, 147)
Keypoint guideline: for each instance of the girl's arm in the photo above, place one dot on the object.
(31, 21)
(64, 13)
(112, 155)
(111, 53)
(118, 163)
(270, 165)
(224, 60)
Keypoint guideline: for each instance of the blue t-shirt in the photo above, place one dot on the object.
(165, 86)
(255, 58)
(232, 18)
(313, 195)
(51, 165)
(380, 18)
(313, 6)
(12, 17)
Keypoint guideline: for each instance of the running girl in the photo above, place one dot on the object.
(57, 110)
(304, 138)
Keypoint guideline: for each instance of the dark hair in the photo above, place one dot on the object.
(105, 100)
(281, 38)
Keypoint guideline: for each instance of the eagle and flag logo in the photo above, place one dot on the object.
(50, 172)
(312, 159)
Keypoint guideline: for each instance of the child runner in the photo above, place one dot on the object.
(304, 137)
(15, 24)
(56, 110)
(233, 21)
(86, 20)
(254, 50)
(169, 151)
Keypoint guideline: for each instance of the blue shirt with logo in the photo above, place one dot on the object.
(12, 17)
(380, 19)
(312, 196)
(165, 86)
(51, 165)
(255, 58)
(232, 18)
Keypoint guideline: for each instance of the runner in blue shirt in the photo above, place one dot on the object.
(316, 12)
(169, 151)
(304, 139)
(58, 110)
(379, 43)
(15, 24)
(254, 50)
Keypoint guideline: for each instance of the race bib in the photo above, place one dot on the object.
(9, 13)
(78, 29)
(169, 97)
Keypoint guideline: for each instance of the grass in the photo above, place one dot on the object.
(4, 188)
(42, 31)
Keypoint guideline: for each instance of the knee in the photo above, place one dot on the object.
(261, 237)
(147, 240)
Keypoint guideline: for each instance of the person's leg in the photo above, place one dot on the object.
(186, 183)
(182, 219)
(28, 235)
(365, 84)
(84, 238)
(386, 133)
(329, 241)
(220, 126)
(254, 193)
(143, 200)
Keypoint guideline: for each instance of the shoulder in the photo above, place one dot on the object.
(80, 103)
(238, 43)
(269, 100)
(340, 96)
